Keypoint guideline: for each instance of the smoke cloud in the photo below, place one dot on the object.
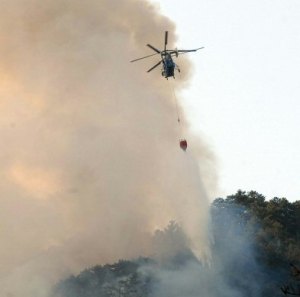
(90, 161)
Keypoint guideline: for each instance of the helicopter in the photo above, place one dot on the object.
(167, 62)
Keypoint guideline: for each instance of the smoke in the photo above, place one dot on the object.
(90, 162)
(235, 269)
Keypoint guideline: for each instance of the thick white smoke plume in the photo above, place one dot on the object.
(90, 162)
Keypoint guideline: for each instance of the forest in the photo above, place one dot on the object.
(255, 251)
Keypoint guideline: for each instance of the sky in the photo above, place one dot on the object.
(244, 96)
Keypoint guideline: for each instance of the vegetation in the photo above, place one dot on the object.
(293, 288)
(271, 231)
(119, 279)
(274, 224)
(255, 243)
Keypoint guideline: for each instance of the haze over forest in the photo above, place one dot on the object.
(255, 252)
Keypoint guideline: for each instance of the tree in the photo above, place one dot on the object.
(293, 287)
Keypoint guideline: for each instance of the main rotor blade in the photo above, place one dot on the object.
(154, 66)
(187, 51)
(166, 39)
(144, 57)
(155, 49)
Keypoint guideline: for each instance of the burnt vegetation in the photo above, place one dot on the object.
(255, 252)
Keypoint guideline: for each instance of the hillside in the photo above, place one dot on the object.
(253, 243)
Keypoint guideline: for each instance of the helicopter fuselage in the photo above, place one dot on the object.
(168, 66)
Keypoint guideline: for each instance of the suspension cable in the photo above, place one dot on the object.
(176, 103)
